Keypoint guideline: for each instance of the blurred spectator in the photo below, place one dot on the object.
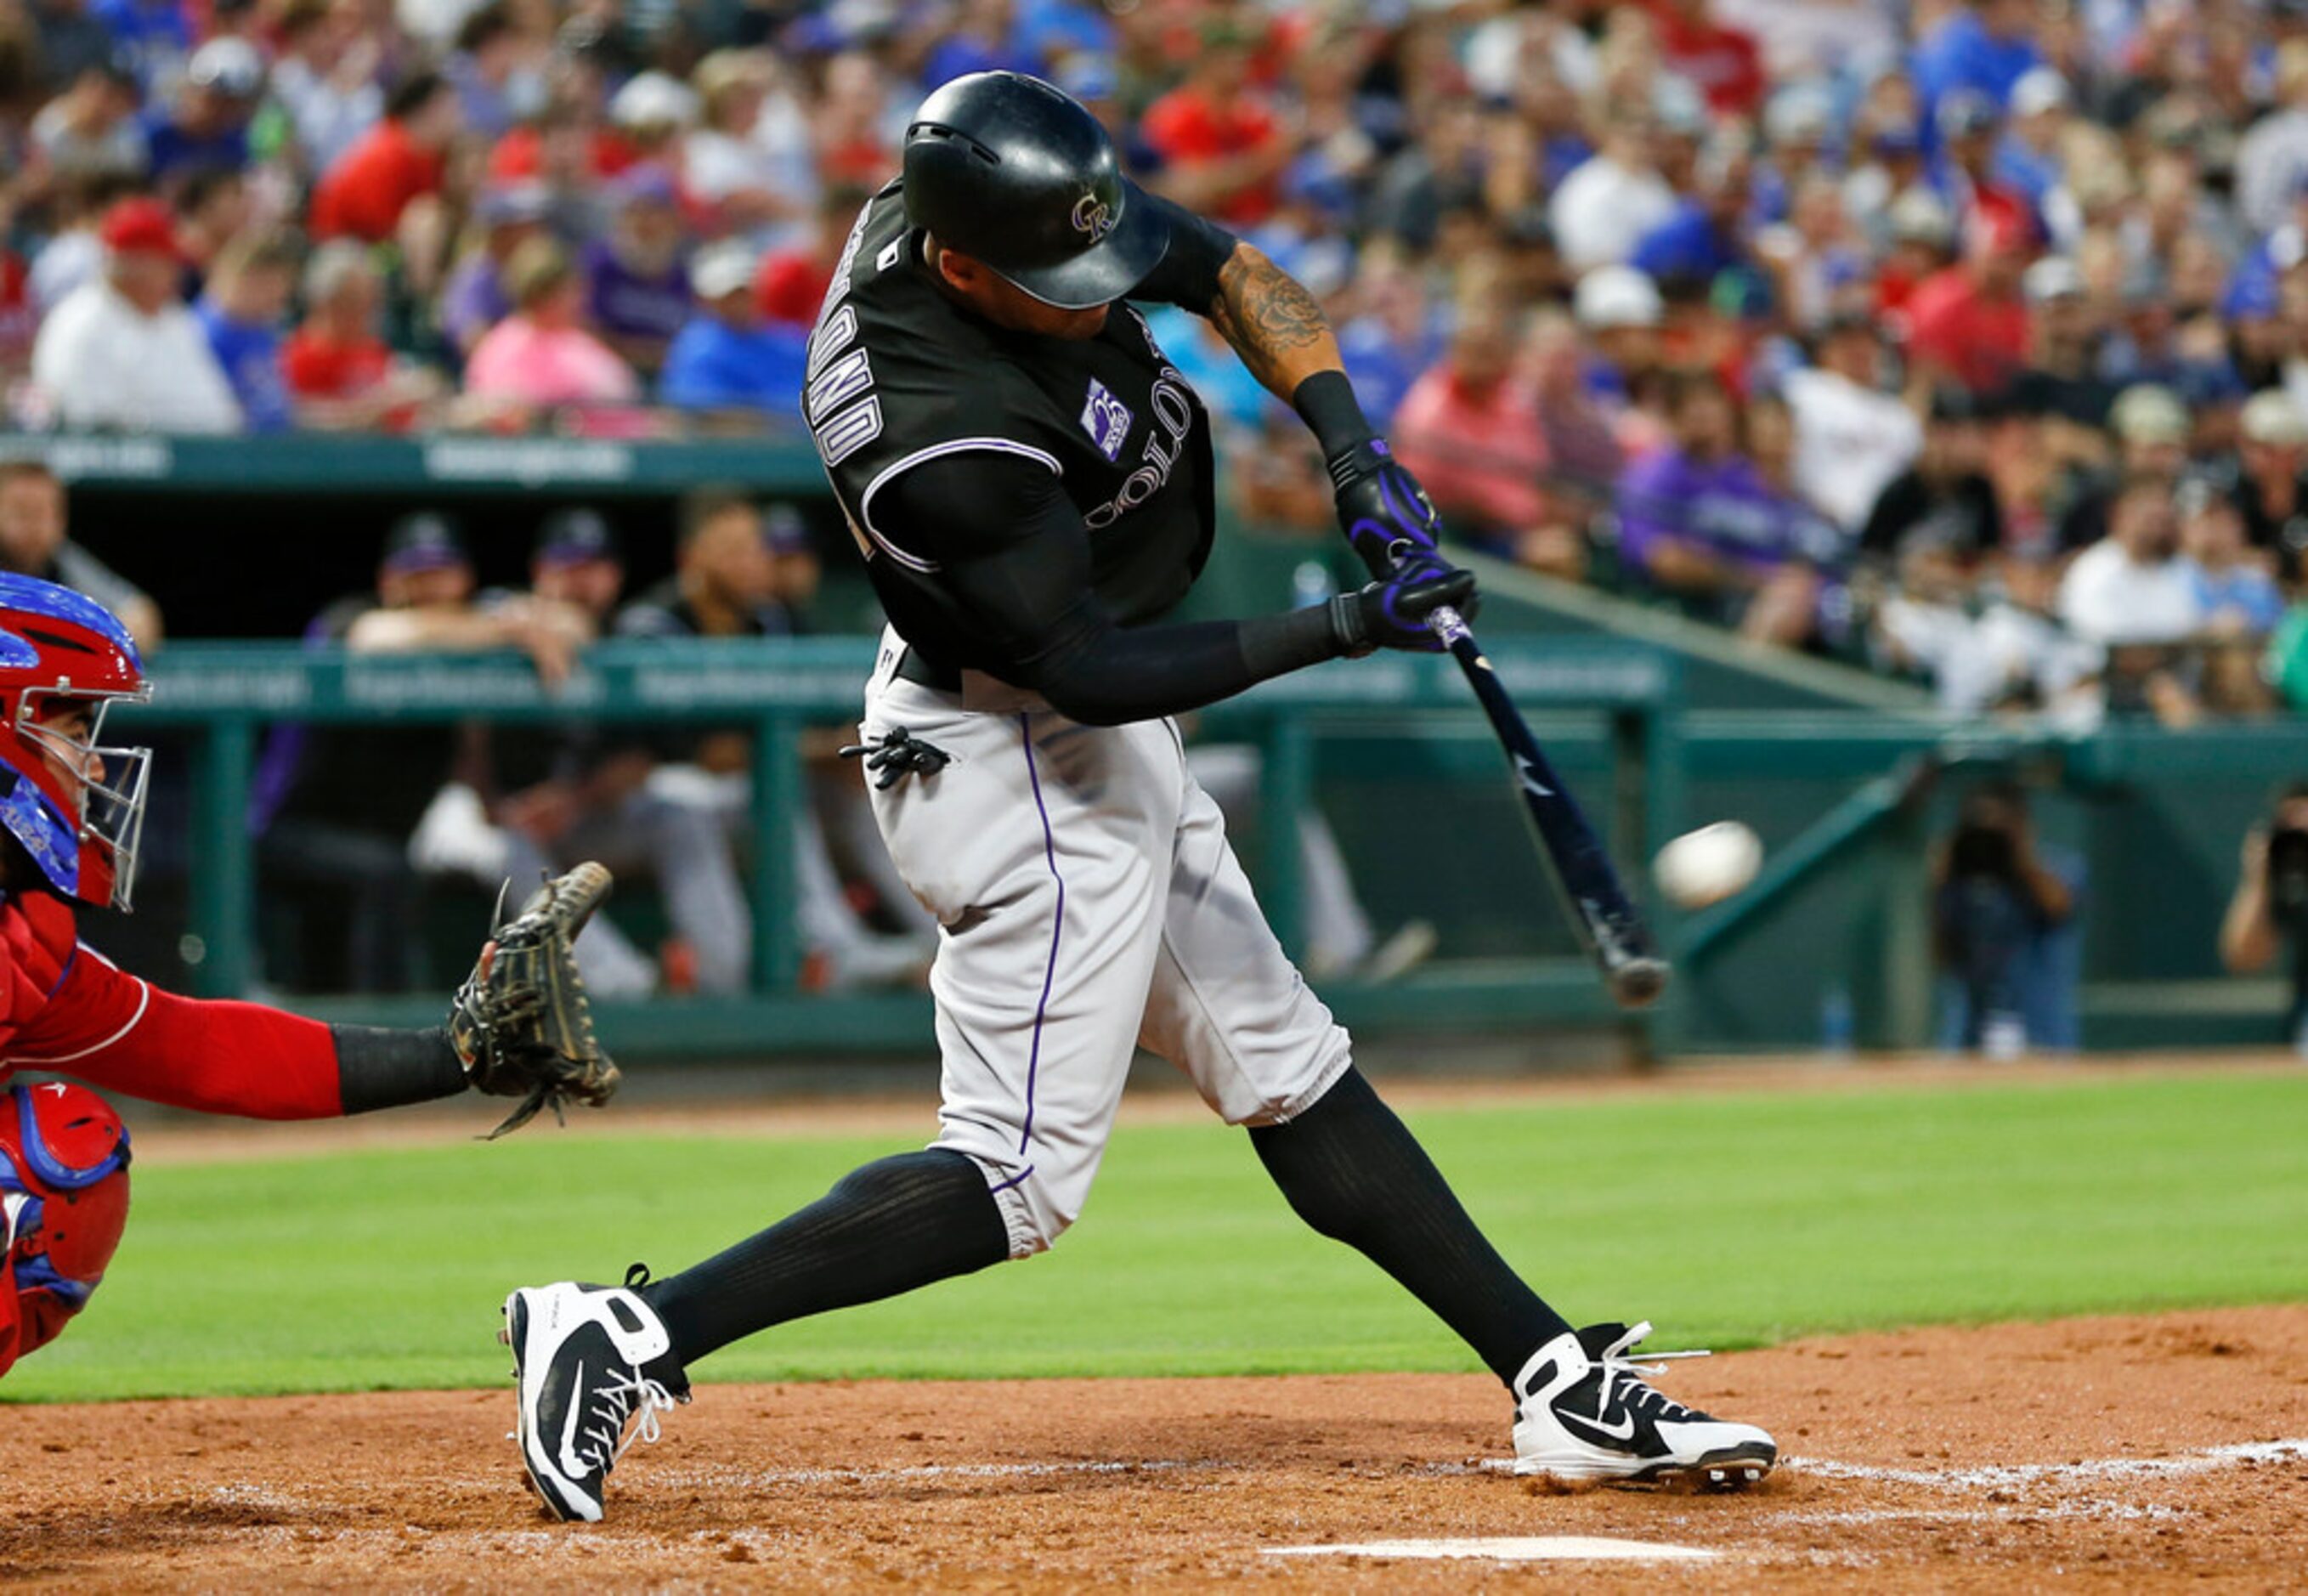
(2235, 596)
(541, 355)
(1852, 438)
(2028, 162)
(341, 374)
(1983, 45)
(335, 806)
(2269, 906)
(724, 165)
(790, 286)
(2151, 441)
(206, 123)
(2271, 161)
(1967, 323)
(1584, 457)
(726, 583)
(1223, 149)
(1944, 499)
(1988, 647)
(540, 798)
(1617, 198)
(855, 140)
(1699, 523)
(1707, 235)
(1722, 60)
(475, 298)
(369, 191)
(325, 80)
(2005, 914)
(214, 207)
(492, 69)
(2060, 378)
(92, 128)
(247, 295)
(636, 281)
(1620, 312)
(34, 542)
(1470, 428)
(74, 253)
(1969, 125)
(2271, 487)
(727, 357)
(72, 43)
(151, 37)
(1395, 336)
(122, 351)
(2131, 587)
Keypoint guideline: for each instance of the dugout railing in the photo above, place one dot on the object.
(1608, 705)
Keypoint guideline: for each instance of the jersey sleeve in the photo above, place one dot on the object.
(117, 1031)
(1187, 275)
(1017, 554)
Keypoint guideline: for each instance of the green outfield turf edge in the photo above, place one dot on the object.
(1729, 1220)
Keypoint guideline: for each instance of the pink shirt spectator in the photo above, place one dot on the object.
(1478, 452)
(518, 359)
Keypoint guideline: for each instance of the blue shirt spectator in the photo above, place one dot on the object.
(1967, 53)
(1689, 246)
(151, 37)
(250, 354)
(727, 357)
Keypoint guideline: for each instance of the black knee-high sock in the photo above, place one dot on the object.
(1353, 1172)
(891, 1226)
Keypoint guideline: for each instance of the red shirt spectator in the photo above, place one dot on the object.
(319, 365)
(1224, 149)
(518, 156)
(789, 285)
(1724, 63)
(398, 161)
(1980, 340)
(1470, 427)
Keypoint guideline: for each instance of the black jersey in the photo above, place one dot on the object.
(900, 376)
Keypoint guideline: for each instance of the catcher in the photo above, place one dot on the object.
(71, 811)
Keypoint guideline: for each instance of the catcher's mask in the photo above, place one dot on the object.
(75, 803)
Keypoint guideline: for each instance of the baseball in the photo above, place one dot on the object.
(1708, 865)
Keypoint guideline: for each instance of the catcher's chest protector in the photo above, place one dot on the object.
(63, 1173)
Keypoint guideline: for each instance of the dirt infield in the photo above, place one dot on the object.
(2127, 1452)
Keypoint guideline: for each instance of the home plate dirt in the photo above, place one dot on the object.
(2124, 1453)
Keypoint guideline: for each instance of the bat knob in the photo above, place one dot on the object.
(1637, 983)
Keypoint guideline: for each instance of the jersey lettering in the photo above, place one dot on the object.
(849, 431)
(833, 334)
(1173, 414)
(837, 385)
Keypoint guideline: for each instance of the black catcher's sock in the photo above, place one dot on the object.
(1353, 1172)
(890, 1226)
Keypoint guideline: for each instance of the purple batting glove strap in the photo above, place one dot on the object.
(1381, 506)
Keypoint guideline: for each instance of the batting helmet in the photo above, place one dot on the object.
(1012, 172)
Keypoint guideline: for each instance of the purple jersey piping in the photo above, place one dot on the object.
(1057, 928)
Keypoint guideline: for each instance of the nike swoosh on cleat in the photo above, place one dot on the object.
(570, 1465)
(1625, 1430)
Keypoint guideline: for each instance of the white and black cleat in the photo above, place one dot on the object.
(1583, 1412)
(593, 1368)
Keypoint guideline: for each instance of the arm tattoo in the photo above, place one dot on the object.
(1272, 322)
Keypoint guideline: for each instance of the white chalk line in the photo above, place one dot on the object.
(2095, 1470)
(1507, 1548)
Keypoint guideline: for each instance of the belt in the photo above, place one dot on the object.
(925, 673)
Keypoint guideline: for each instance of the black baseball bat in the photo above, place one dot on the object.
(1606, 918)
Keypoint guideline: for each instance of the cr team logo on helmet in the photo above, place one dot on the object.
(1093, 216)
(74, 806)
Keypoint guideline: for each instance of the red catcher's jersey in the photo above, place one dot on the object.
(66, 1009)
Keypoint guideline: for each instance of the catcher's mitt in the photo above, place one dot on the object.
(520, 1022)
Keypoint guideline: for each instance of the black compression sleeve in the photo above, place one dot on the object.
(1187, 275)
(378, 1069)
(1327, 403)
(1017, 555)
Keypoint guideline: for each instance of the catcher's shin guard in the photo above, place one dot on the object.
(63, 1181)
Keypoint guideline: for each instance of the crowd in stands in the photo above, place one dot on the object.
(1968, 339)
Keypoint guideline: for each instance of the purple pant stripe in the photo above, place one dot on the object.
(1017, 1179)
(1057, 928)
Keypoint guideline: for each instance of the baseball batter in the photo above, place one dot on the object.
(1029, 482)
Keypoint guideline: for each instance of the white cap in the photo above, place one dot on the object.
(724, 269)
(228, 65)
(1617, 297)
(2040, 88)
(1921, 216)
(2273, 416)
(654, 100)
(2055, 277)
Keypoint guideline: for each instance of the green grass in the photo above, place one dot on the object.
(1730, 1220)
